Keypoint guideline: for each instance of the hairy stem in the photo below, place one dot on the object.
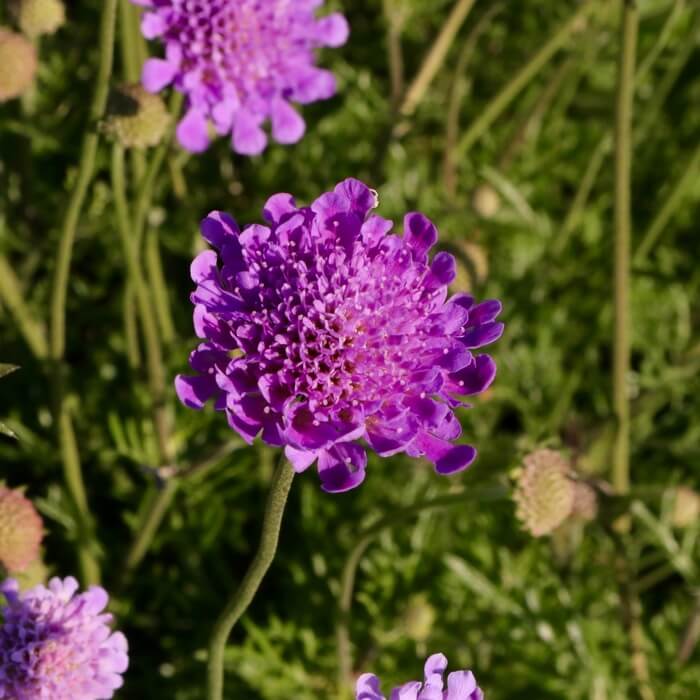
(57, 340)
(154, 267)
(623, 156)
(12, 297)
(244, 594)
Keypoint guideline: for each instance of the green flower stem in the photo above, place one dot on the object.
(12, 297)
(154, 268)
(243, 596)
(347, 581)
(153, 516)
(154, 360)
(131, 331)
(600, 152)
(623, 157)
(435, 57)
(669, 207)
(57, 340)
(130, 37)
(500, 102)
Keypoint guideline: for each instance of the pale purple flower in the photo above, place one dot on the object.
(322, 329)
(56, 645)
(240, 63)
(461, 685)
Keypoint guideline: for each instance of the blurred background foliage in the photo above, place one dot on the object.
(527, 208)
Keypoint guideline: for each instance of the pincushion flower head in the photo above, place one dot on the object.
(322, 328)
(56, 645)
(239, 64)
(461, 685)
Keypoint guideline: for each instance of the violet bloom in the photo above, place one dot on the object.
(240, 63)
(56, 645)
(461, 685)
(322, 329)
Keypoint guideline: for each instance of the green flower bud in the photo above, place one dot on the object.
(17, 64)
(544, 493)
(136, 118)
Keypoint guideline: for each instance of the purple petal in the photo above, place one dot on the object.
(279, 206)
(460, 685)
(448, 458)
(152, 25)
(367, 688)
(443, 271)
(192, 131)
(287, 124)
(157, 73)
(474, 378)
(315, 84)
(420, 234)
(484, 312)
(332, 30)
(248, 138)
(482, 335)
(195, 391)
(217, 228)
(299, 459)
(342, 467)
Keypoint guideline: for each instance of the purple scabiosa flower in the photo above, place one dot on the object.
(240, 63)
(322, 329)
(461, 685)
(56, 645)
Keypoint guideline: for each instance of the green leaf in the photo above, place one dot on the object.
(6, 369)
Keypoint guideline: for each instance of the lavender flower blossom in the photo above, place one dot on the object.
(55, 645)
(461, 685)
(240, 63)
(322, 328)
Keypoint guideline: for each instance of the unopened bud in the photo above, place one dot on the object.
(544, 494)
(21, 531)
(686, 507)
(486, 201)
(136, 118)
(17, 64)
(39, 17)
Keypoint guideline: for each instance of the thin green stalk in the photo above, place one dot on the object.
(244, 594)
(395, 17)
(159, 288)
(435, 57)
(154, 361)
(57, 340)
(131, 332)
(155, 512)
(147, 185)
(130, 36)
(669, 207)
(11, 295)
(460, 86)
(623, 157)
(86, 171)
(347, 581)
(500, 102)
(600, 152)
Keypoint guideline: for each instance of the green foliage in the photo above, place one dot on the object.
(532, 618)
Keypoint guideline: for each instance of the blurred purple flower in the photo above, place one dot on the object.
(240, 63)
(461, 685)
(55, 645)
(322, 329)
